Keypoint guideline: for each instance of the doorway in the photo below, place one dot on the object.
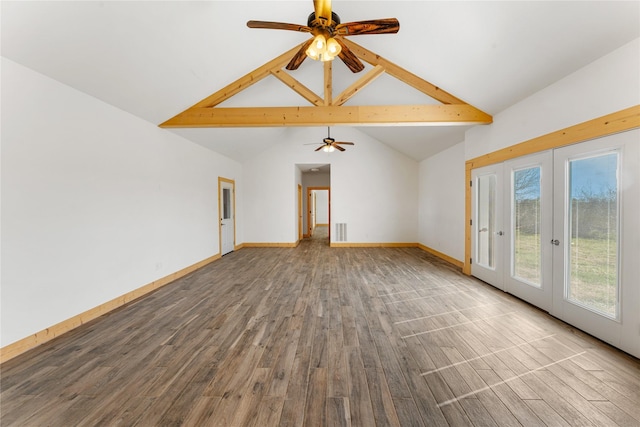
(557, 229)
(318, 210)
(226, 215)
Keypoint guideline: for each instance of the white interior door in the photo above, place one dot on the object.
(597, 233)
(227, 215)
(528, 209)
(486, 225)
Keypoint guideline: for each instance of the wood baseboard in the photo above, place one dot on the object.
(270, 245)
(372, 245)
(433, 252)
(12, 350)
(442, 256)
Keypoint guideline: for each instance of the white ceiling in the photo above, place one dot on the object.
(155, 59)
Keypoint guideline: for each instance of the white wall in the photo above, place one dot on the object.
(441, 210)
(322, 207)
(610, 84)
(374, 189)
(95, 202)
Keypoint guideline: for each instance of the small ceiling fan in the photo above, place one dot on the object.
(326, 29)
(329, 144)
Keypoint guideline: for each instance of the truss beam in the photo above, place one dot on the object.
(328, 110)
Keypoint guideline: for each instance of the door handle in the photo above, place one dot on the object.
(500, 233)
(555, 242)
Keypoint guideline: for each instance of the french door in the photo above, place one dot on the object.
(561, 230)
(486, 225)
(597, 238)
(511, 222)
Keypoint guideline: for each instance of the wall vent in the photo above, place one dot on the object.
(341, 232)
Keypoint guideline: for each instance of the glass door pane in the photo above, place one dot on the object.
(592, 278)
(486, 217)
(226, 203)
(526, 223)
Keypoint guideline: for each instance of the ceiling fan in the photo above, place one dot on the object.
(330, 144)
(326, 29)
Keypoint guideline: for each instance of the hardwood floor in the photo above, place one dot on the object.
(317, 336)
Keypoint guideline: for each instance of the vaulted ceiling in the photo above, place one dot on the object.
(156, 59)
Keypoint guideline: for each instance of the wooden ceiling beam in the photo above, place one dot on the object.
(403, 75)
(329, 111)
(328, 83)
(247, 80)
(359, 85)
(329, 116)
(297, 87)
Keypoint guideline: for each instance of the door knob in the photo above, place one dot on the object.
(500, 233)
(555, 242)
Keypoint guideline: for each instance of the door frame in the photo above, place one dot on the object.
(222, 180)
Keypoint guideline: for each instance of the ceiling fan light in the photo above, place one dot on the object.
(333, 48)
(320, 43)
(312, 53)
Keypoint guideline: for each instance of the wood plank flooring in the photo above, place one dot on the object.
(317, 336)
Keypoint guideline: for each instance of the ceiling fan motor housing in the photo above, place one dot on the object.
(335, 19)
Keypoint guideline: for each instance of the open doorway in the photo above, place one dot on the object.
(316, 183)
(318, 212)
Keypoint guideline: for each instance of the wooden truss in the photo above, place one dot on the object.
(328, 110)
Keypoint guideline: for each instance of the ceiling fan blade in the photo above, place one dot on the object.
(338, 147)
(319, 148)
(375, 26)
(323, 12)
(344, 143)
(278, 26)
(299, 57)
(349, 58)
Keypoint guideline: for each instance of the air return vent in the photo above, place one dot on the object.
(341, 232)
